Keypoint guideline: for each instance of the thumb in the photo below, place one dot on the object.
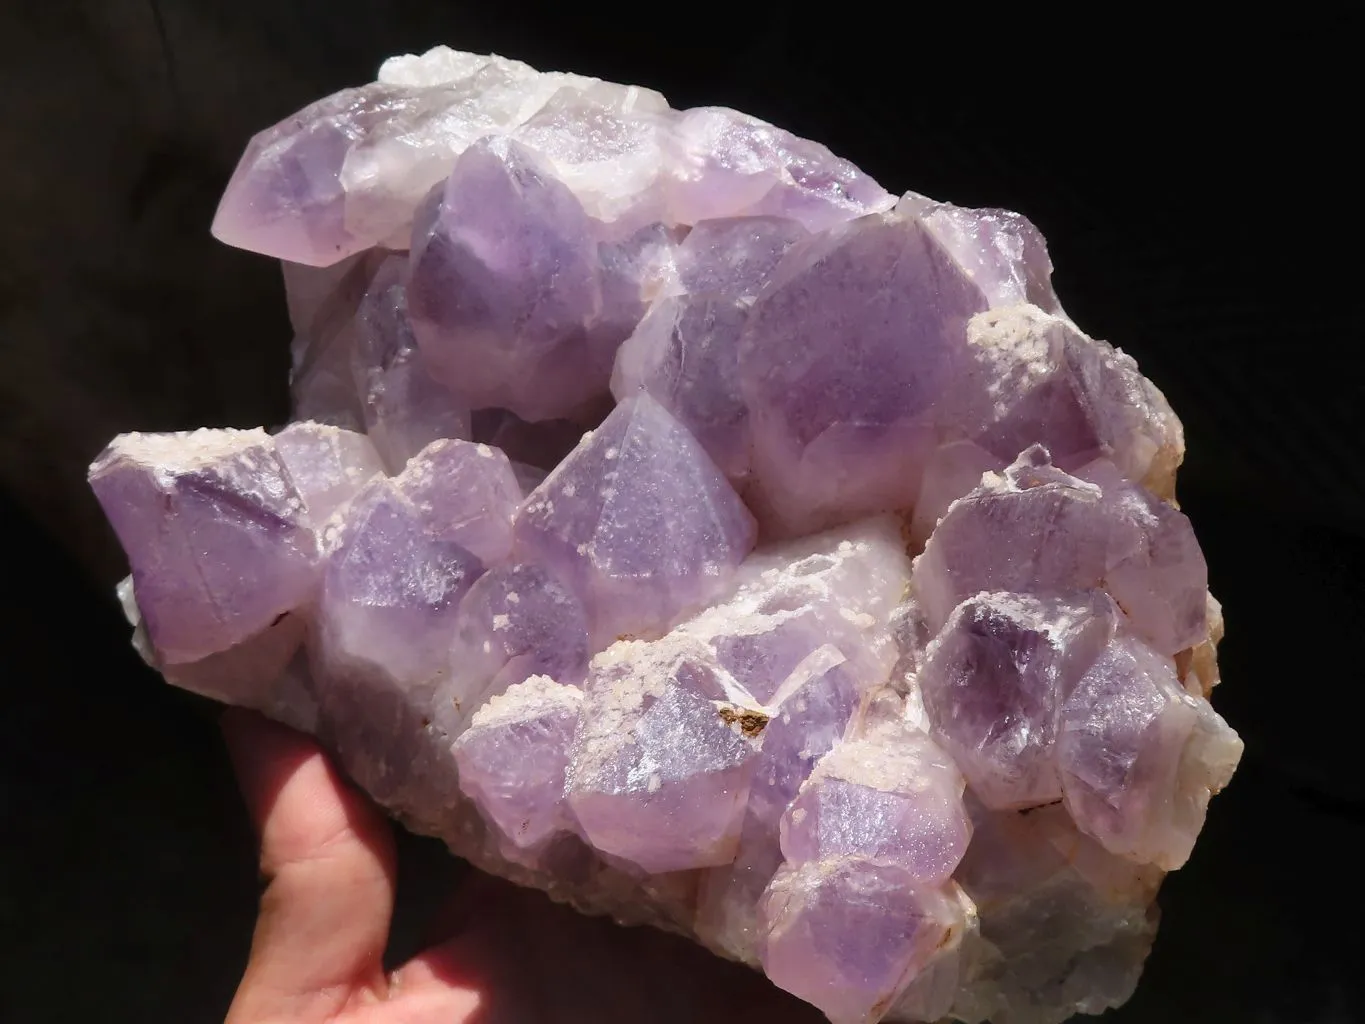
(328, 859)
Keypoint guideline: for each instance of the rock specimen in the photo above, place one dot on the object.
(678, 522)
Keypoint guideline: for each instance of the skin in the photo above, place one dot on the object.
(500, 954)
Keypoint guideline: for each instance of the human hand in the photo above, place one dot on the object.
(503, 955)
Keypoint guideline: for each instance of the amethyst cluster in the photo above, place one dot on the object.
(676, 521)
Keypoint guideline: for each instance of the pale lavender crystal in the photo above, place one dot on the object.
(406, 552)
(379, 650)
(322, 310)
(833, 589)
(684, 351)
(256, 673)
(1005, 535)
(518, 620)
(735, 256)
(892, 797)
(683, 354)
(993, 682)
(952, 471)
(1081, 398)
(799, 643)
(728, 164)
(327, 465)
(661, 767)
(318, 297)
(729, 896)
(219, 539)
(483, 247)
(286, 198)
(344, 174)
(639, 519)
(1156, 571)
(636, 270)
(1140, 757)
(465, 493)
(809, 717)
(848, 935)
(812, 711)
(513, 756)
(391, 590)
(403, 406)
(845, 429)
(607, 144)
(676, 521)
(1003, 252)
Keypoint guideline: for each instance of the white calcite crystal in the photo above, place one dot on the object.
(676, 522)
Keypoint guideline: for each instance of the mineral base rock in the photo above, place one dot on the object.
(675, 521)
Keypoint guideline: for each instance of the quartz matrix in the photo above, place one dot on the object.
(676, 521)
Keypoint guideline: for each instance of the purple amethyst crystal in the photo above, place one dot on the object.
(892, 797)
(191, 510)
(639, 519)
(517, 621)
(848, 935)
(661, 765)
(676, 521)
(483, 249)
(993, 683)
(404, 408)
(513, 757)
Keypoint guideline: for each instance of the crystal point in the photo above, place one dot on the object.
(639, 518)
(193, 510)
(482, 249)
(513, 757)
(849, 935)
(660, 771)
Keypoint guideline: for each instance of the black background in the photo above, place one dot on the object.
(1202, 211)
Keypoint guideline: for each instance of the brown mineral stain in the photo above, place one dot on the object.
(1183, 661)
(750, 722)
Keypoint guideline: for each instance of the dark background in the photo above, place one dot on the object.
(1202, 212)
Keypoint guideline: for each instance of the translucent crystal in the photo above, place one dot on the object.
(403, 406)
(220, 540)
(1140, 756)
(848, 935)
(660, 771)
(640, 519)
(513, 756)
(841, 429)
(892, 798)
(993, 683)
(727, 164)
(326, 465)
(483, 247)
(517, 621)
(1036, 529)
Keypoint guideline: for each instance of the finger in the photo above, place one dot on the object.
(327, 855)
(519, 957)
